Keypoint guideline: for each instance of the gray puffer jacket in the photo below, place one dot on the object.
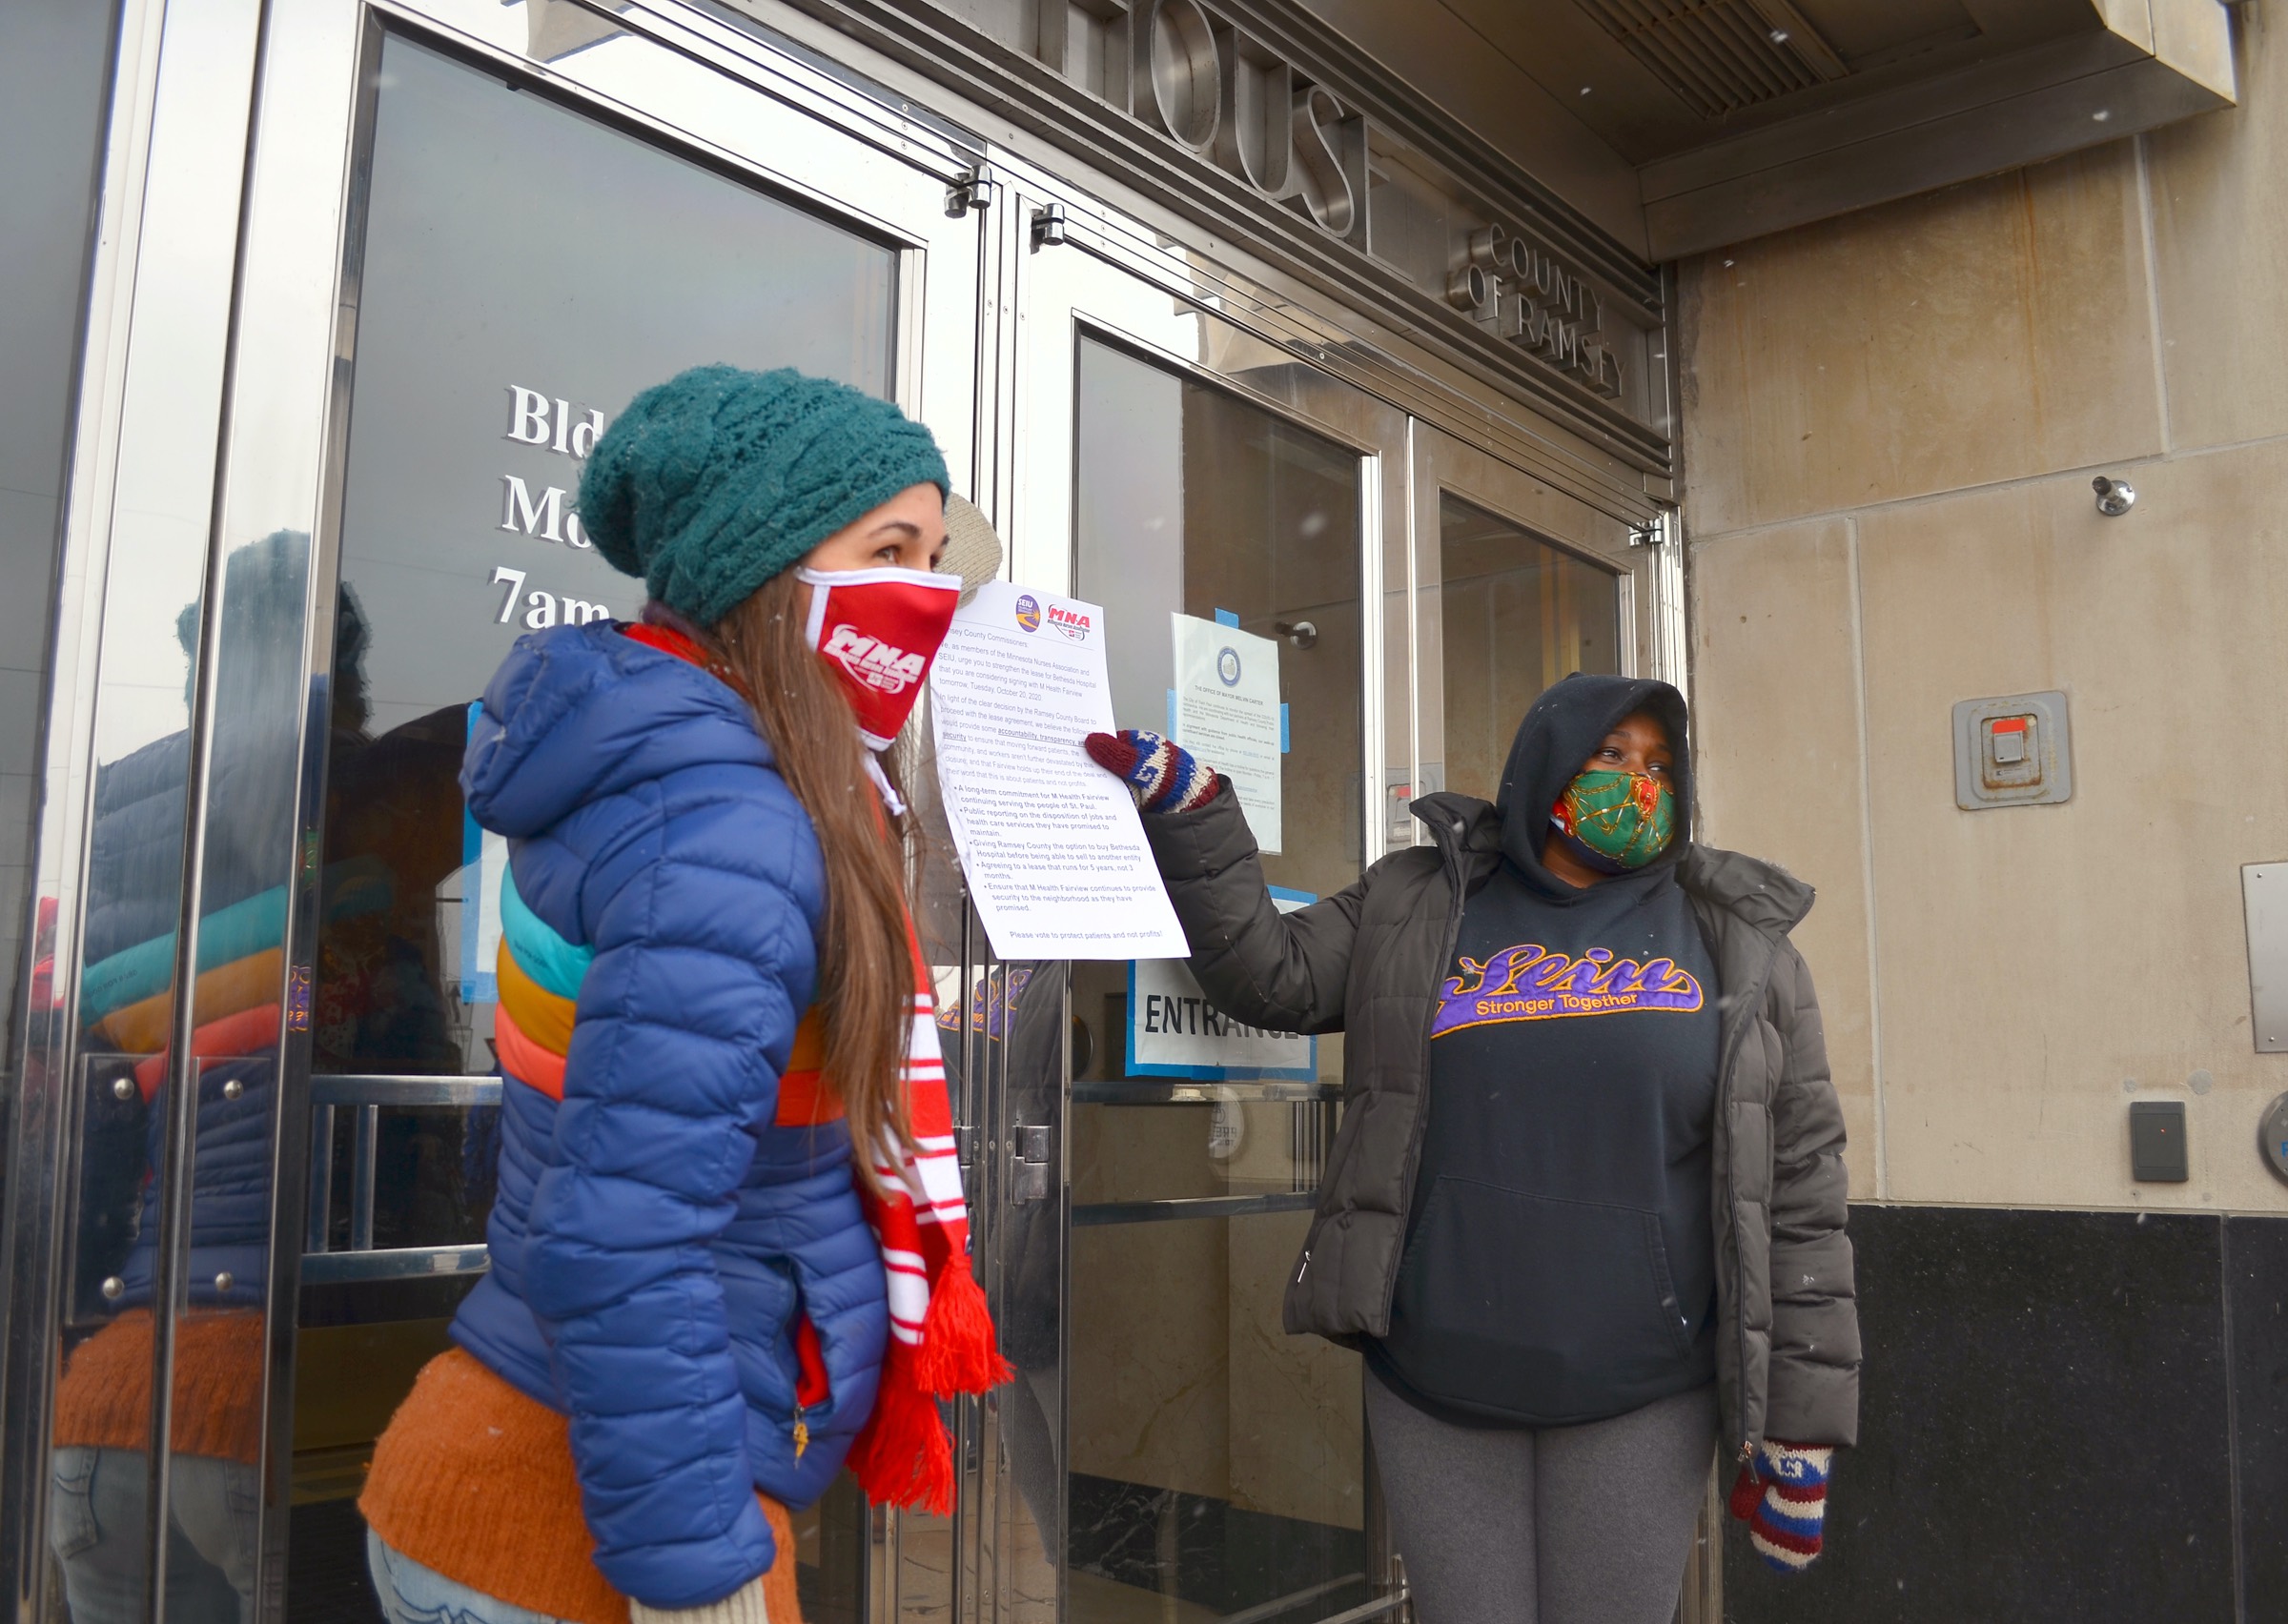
(1368, 962)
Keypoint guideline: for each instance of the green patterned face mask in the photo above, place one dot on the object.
(1622, 819)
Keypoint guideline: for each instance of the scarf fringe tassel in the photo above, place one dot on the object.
(957, 1352)
(904, 1456)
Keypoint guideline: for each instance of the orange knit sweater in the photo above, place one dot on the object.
(475, 1481)
(104, 1399)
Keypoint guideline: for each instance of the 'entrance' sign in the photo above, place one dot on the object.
(1174, 1031)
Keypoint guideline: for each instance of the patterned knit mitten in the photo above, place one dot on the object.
(1162, 774)
(1782, 1495)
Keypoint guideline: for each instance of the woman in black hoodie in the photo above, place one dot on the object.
(1585, 1214)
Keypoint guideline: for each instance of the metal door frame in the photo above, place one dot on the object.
(855, 159)
(1081, 269)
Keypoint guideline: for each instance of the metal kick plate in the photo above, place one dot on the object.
(2264, 903)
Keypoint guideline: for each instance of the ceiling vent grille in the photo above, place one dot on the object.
(1721, 55)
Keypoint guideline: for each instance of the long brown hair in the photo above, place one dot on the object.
(865, 967)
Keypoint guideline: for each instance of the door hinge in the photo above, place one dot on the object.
(1029, 1165)
(974, 189)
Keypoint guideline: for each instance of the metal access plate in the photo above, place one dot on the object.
(2013, 750)
(2264, 906)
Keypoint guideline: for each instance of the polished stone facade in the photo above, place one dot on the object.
(2069, 1417)
(1892, 424)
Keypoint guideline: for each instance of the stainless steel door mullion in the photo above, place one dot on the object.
(320, 1221)
(365, 1130)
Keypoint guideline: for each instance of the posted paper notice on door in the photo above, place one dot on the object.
(1048, 841)
(1227, 713)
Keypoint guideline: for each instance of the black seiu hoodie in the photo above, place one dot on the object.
(1559, 1263)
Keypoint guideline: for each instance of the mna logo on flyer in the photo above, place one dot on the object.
(1028, 613)
(1069, 621)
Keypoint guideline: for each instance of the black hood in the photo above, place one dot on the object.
(1570, 720)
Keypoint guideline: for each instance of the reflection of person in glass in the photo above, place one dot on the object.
(728, 1246)
(1016, 1023)
(127, 1008)
(1584, 1215)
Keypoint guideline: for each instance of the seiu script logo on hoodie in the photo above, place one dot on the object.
(1529, 983)
(873, 661)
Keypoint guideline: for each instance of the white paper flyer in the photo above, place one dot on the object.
(1048, 841)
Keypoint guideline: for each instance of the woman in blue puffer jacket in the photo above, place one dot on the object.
(700, 1302)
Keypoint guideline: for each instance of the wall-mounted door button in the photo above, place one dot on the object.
(2012, 751)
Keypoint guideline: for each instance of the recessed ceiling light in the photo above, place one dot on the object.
(1779, 36)
(2103, 115)
(1584, 90)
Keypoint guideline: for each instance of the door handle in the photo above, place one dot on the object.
(1029, 1165)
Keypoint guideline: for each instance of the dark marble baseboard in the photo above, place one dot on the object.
(1225, 1557)
(2067, 1416)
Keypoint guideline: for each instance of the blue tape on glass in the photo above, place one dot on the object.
(1283, 745)
(1225, 618)
(477, 984)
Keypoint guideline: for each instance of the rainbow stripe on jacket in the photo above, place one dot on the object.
(539, 973)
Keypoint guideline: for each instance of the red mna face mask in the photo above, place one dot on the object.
(879, 629)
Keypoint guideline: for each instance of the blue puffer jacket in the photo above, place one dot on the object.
(656, 1234)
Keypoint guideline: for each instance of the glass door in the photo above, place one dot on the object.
(471, 232)
(1517, 585)
(1167, 1453)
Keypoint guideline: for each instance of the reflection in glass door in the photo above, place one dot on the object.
(1515, 614)
(1517, 585)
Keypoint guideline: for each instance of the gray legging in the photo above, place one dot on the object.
(1563, 1525)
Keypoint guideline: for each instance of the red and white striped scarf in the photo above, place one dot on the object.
(941, 1335)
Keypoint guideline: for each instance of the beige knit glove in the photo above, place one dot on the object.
(742, 1606)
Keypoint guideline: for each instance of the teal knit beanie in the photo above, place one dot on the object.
(714, 481)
